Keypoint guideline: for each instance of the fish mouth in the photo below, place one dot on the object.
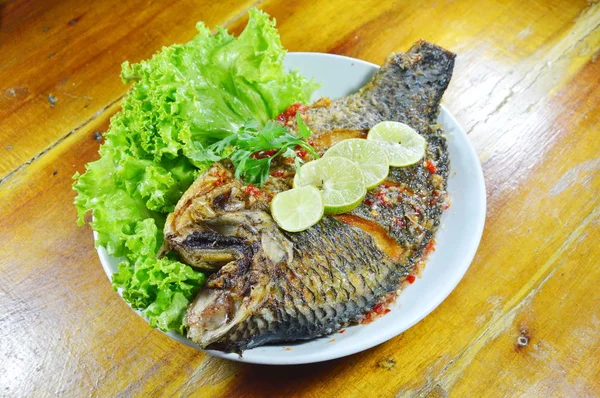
(216, 313)
(224, 301)
(232, 236)
(209, 250)
(222, 305)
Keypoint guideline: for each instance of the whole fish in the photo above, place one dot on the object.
(270, 285)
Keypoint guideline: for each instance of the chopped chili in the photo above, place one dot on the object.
(290, 112)
(382, 198)
(220, 178)
(252, 190)
(380, 309)
(264, 154)
(431, 166)
(430, 247)
(400, 223)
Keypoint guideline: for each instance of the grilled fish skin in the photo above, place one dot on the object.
(407, 88)
(274, 286)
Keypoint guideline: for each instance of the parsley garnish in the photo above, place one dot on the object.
(250, 140)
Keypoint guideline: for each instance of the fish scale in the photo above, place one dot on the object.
(312, 318)
(298, 286)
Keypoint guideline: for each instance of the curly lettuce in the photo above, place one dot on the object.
(182, 100)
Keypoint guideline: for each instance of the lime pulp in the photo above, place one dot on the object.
(403, 145)
(297, 209)
(370, 157)
(340, 180)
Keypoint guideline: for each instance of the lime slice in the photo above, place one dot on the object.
(297, 209)
(368, 155)
(340, 180)
(403, 145)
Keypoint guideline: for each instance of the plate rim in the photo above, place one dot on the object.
(385, 334)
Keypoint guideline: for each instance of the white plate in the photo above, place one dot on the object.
(457, 238)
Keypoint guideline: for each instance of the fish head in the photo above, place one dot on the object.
(217, 226)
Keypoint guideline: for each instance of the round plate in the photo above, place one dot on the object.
(457, 239)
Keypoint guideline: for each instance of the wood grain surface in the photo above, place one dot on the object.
(524, 321)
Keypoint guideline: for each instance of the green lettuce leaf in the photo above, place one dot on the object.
(185, 98)
(163, 287)
(191, 95)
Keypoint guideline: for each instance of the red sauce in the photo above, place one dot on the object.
(219, 178)
(252, 190)
(380, 309)
(291, 111)
(410, 279)
(430, 166)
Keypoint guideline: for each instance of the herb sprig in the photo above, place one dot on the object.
(272, 140)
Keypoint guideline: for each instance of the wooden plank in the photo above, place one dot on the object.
(548, 338)
(66, 333)
(60, 61)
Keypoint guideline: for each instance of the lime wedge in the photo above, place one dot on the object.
(368, 155)
(403, 145)
(340, 180)
(297, 209)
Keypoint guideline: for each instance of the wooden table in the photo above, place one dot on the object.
(525, 320)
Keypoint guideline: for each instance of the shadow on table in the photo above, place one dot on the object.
(249, 380)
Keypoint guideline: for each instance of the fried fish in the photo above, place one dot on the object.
(272, 286)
